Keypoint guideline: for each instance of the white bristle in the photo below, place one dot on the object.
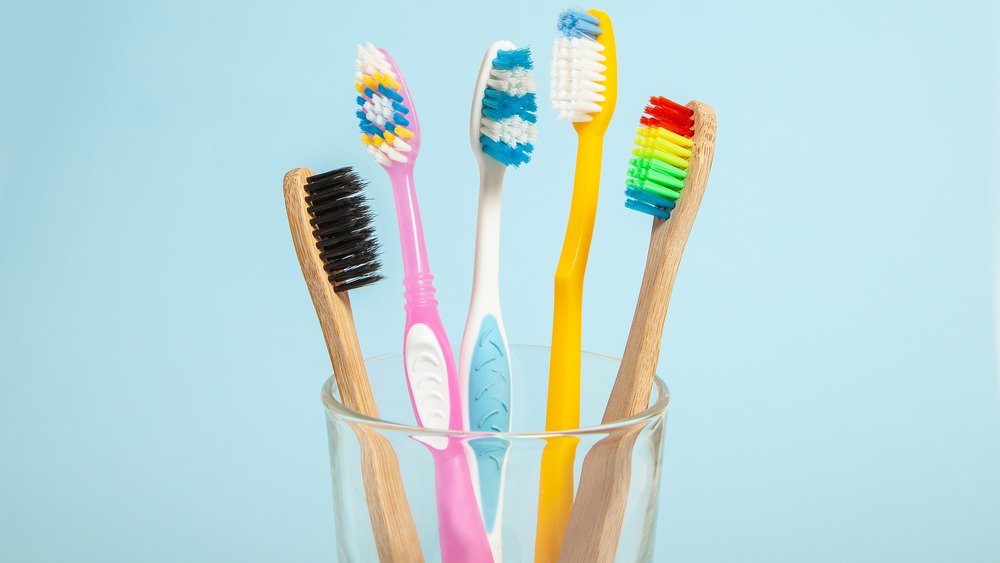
(511, 130)
(401, 145)
(378, 156)
(391, 152)
(514, 82)
(576, 76)
(370, 60)
(379, 110)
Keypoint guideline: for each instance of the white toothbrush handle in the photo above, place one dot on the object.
(484, 361)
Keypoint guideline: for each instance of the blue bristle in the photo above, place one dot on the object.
(389, 93)
(513, 58)
(506, 154)
(575, 23)
(400, 120)
(650, 198)
(369, 93)
(646, 208)
(400, 108)
(498, 105)
(361, 101)
(647, 202)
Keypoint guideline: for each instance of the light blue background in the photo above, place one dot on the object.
(830, 345)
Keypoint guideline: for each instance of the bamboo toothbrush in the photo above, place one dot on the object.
(502, 131)
(337, 251)
(584, 91)
(391, 134)
(671, 165)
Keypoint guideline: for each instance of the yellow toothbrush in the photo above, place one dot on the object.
(584, 91)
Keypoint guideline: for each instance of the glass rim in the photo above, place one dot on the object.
(334, 407)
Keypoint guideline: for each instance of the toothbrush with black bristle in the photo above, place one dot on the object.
(502, 131)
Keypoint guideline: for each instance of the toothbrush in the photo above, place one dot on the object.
(337, 250)
(667, 180)
(502, 130)
(391, 133)
(584, 91)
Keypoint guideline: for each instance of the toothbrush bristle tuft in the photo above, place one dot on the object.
(381, 108)
(507, 125)
(577, 67)
(660, 159)
(341, 222)
(577, 23)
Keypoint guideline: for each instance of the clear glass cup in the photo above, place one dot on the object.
(355, 540)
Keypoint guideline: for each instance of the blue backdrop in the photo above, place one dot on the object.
(830, 344)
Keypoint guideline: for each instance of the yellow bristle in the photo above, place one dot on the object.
(661, 150)
(391, 83)
(665, 134)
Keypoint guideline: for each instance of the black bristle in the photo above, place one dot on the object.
(341, 221)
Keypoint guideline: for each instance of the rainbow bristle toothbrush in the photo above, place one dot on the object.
(584, 91)
(666, 179)
(391, 133)
(502, 130)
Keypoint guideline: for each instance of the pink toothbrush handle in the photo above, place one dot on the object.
(460, 525)
(433, 382)
(430, 367)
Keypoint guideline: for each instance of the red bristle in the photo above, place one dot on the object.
(670, 104)
(669, 115)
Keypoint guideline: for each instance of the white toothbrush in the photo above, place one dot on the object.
(502, 131)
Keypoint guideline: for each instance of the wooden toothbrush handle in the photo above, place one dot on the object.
(596, 521)
(630, 395)
(392, 523)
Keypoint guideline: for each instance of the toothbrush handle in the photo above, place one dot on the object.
(460, 527)
(429, 361)
(484, 326)
(429, 368)
(484, 362)
(555, 492)
(433, 383)
(430, 364)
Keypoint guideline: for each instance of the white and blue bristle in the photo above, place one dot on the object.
(508, 124)
(577, 67)
(577, 23)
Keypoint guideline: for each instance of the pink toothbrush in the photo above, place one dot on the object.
(391, 134)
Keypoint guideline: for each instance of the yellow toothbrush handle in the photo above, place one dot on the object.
(555, 494)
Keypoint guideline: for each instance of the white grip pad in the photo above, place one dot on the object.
(427, 375)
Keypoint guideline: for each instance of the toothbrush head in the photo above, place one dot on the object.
(585, 69)
(341, 222)
(502, 125)
(660, 160)
(389, 128)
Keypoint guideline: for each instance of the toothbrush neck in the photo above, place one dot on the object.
(486, 271)
(417, 278)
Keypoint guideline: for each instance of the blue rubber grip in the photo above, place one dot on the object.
(489, 411)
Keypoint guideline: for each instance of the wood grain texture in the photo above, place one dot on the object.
(392, 523)
(596, 521)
